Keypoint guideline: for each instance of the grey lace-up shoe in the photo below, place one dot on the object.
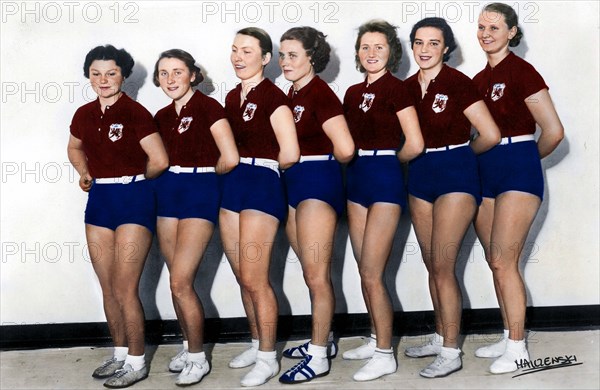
(126, 377)
(108, 368)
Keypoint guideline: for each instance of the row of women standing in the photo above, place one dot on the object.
(276, 163)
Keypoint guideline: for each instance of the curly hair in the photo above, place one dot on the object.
(186, 58)
(440, 24)
(510, 17)
(387, 29)
(313, 41)
(106, 53)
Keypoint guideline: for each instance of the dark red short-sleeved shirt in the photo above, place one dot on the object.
(187, 136)
(313, 105)
(111, 140)
(251, 122)
(504, 89)
(440, 111)
(370, 110)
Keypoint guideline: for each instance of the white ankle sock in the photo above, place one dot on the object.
(185, 345)
(255, 343)
(437, 339)
(120, 353)
(450, 353)
(197, 357)
(317, 351)
(136, 362)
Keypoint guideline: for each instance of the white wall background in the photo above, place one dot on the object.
(45, 273)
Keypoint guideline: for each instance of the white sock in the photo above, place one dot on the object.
(255, 343)
(450, 353)
(373, 338)
(120, 353)
(136, 362)
(438, 339)
(266, 355)
(185, 345)
(515, 345)
(317, 351)
(506, 333)
(384, 352)
(197, 357)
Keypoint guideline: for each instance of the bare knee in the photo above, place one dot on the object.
(180, 288)
(370, 280)
(317, 284)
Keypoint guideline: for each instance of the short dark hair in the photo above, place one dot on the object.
(510, 17)
(264, 39)
(313, 41)
(440, 24)
(387, 29)
(106, 53)
(187, 59)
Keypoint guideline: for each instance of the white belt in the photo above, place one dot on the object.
(376, 152)
(445, 148)
(518, 138)
(178, 169)
(322, 157)
(120, 180)
(261, 162)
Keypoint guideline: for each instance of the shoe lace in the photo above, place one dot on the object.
(119, 373)
(181, 354)
(187, 368)
(300, 366)
(108, 362)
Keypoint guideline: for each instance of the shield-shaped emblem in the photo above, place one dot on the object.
(249, 112)
(184, 125)
(298, 110)
(497, 91)
(116, 132)
(367, 102)
(439, 103)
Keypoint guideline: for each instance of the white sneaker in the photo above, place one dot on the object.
(177, 362)
(365, 351)
(432, 348)
(244, 359)
(515, 353)
(442, 366)
(492, 351)
(379, 365)
(192, 373)
(262, 371)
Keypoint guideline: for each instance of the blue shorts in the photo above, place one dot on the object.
(254, 187)
(511, 167)
(188, 195)
(112, 205)
(320, 180)
(372, 179)
(434, 174)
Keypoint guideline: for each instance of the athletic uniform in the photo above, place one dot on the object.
(255, 183)
(514, 164)
(111, 142)
(375, 175)
(317, 175)
(190, 188)
(448, 164)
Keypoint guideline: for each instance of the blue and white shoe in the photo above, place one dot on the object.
(301, 351)
(303, 372)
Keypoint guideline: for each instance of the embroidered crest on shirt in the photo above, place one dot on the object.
(439, 104)
(298, 110)
(249, 112)
(367, 102)
(185, 123)
(497, 91)
(116, 132)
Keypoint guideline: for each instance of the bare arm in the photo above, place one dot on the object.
(337, 130)
(282, 122)
(79, 160)
(542, 109)
(158, 160)
(414, 144)
(481, 119)
(230, 158)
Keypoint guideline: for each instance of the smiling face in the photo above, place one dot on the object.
(106, 80)
(493, 32)
(374, 52)
(294, 63)
(429, 48)
(247, 59)
(175, 78)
